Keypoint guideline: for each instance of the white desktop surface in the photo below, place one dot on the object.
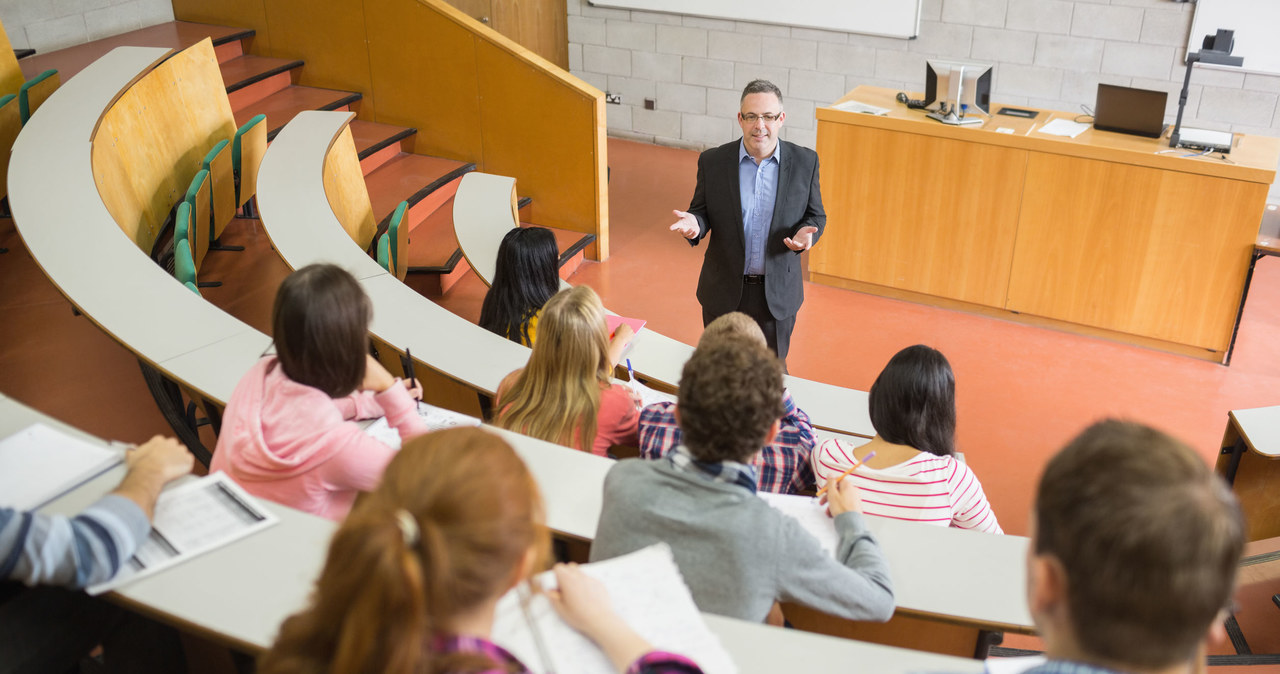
(1261, 429)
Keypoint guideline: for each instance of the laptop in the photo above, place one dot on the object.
(1127, 110)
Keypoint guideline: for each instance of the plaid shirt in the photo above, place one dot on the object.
(730, 472)
(653, 662)
(782, 466)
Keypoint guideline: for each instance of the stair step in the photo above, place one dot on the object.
(282, 106)
(174, 35)
(376, 144)
(250, 78)
(434, 252)
(414, 178)
(572, 246)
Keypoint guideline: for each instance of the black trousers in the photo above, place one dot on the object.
(777, 333)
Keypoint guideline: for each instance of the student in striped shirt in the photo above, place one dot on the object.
(914, 473)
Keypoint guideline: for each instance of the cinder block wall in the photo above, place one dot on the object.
(1047, 53)
(45, 25)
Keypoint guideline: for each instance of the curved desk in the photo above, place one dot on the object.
(1250, 463)
(75, 241)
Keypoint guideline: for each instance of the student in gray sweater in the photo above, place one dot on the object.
(738, 554)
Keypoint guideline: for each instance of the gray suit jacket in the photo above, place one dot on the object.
(717, 205)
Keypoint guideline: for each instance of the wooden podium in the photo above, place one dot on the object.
(1101, 234)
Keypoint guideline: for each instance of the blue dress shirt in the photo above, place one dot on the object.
(758, 188)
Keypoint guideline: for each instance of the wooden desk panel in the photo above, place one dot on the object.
(930, 215)
(1146, 251)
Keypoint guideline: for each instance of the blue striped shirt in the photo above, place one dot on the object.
(758, 188)
(87, 549)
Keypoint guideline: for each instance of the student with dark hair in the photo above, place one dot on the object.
(288, 433)
(414, 575)
(1133, 557)
(738, 554)
(914, 473)
(526, 277)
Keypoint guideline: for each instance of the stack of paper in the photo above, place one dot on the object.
(436, 418)
(39, 464)
(648, 593)
(811, 515)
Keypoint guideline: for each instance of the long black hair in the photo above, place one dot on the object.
(525, 278)
(913, 401)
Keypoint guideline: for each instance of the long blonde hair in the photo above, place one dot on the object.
(557, 396)
(446, 530)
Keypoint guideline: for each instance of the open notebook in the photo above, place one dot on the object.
(648, 593)
(39, 464)
(811, 515)
(435, 418)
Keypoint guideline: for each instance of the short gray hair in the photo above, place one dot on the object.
(760, 87)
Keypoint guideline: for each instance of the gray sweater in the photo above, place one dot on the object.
(737, 554)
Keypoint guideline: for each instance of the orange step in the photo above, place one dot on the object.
(435, 260)
(250, 78)
(376, 144)
(175, 35)
(282, 106)
(417, 179)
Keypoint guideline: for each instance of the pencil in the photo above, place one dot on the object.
(850, 470)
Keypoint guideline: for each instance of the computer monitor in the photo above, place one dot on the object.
(958, 89)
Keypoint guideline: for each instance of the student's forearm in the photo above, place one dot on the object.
(620, 643)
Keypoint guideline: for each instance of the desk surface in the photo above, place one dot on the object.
(231, 595)
(1260, 429)
(88, 257)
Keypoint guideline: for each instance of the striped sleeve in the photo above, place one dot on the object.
(831, 458)
(89, 548)
(969, 506)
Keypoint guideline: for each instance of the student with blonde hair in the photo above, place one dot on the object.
(414, 575)
(565, 394)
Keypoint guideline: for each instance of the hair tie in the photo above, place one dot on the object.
(408, 527)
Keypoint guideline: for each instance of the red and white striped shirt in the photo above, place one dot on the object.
(927, 488)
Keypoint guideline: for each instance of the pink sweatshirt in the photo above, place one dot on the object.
(293, 444)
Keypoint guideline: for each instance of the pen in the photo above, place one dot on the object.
(631, 375)
(850, 470)
(409, 357)
(543, 653)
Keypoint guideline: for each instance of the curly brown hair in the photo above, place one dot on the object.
(730, 394)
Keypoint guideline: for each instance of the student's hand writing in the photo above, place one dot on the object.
(622, 334)
(152, 465)
(582, 601)
(376, 377)
(414, 386)
(803, 239)
(686, 224)
(841, 496)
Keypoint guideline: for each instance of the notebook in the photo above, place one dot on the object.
(1127, 110)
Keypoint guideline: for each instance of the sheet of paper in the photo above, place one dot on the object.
(39, 463)
(612, 321)
(192, 519)
(434, 417)
(1013, 665)
(649, 396)
(810, 514)
(1063, 127)
(858, 106)
(649, 594)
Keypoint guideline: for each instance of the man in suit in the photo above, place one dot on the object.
(761, 197)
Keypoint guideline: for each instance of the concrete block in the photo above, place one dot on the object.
(931, 10)
(1030, 81)
(789, 53)
(1209, 76)
(707, 130)
(152, 12)
(656, 17)
(754, 28)
(878, 42)
(707, 23)
(997, 45)
(586, 30)
(57, 33)
(597, 80)
(706, 72)
(745, 72)
(574, 7)
(733, 47)
(1107, 22)
(1236, 106)
(575, 57)
(1136, 60)
(976, 12)
(800, 111)
(900, 65)
(618, 117)
(656, 122)
(606, 60)
(630, 35)
(681, 98)
(817, 35)
(723, 102)
(656, 67)
(682, 40)
(1165, 27)
(1141, 3)
(1172, 89)
(806, 137)
(1041, 16)
(110, 21)
(633, 90)
(815, 86)
(854, 81)
(1072, 53)
(948, 40)
(848, 59)
(1259, 82)
(1081, 87)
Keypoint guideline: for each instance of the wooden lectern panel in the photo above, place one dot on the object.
(1134, 249)
(914, 212)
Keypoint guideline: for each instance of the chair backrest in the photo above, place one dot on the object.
(246, 155)
(201, 215)
(222, 188)
(10, 125)
(184, 265)
(35, 91)
(182, 224)
(384, 252)
(398, 236)
(347, 192)
(192, 287)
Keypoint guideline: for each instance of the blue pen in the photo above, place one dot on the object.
(630, 373)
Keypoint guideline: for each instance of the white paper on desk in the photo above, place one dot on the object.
(1013, 665)
(192, 519)
(436, 418)
(1063, 127)
(648, 593)
(858, 106)
(649, 396)
(39, 464)
(811, 515)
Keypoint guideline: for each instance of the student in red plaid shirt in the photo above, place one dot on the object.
(782, 467)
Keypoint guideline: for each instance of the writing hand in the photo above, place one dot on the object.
(803, 239)
(687, 225)
(841, 496)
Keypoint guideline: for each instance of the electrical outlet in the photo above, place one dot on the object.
(615, 99)
(650, 104)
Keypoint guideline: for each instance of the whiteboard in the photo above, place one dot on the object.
(892, 18)
(1255, 23)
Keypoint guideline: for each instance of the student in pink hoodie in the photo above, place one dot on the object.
(288, 433)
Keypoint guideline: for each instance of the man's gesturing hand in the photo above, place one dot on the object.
(687, 225)
(802, 240)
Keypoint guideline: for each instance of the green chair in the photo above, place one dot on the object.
(34, 91)
(393, 246)
(222, 193)
(247, 149)
(198, 198)
(184, 265)
(192, 287)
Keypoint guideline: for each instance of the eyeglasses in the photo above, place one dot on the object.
(768, 117)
